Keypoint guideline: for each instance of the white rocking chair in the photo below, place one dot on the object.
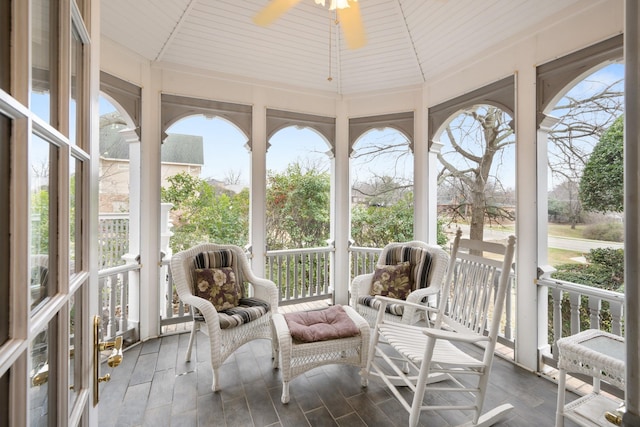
(470, 310)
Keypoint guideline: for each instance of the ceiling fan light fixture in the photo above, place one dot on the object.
(335, 4)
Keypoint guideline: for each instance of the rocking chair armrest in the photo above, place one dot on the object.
(406, 303)
(454, 336)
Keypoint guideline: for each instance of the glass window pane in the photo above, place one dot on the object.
(43, 45)
(75, 353)
(43, 217)
(76, 86)
(5, 50)
(75, 210)
(39, 379)
(4, 398)
(5, 135)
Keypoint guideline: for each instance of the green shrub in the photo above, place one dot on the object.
(605, 270)
(608, 231)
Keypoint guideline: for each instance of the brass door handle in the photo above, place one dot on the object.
(114, 359)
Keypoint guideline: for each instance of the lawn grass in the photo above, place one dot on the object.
(562, 256)
(557, 230)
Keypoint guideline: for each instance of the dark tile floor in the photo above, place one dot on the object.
(155, 387)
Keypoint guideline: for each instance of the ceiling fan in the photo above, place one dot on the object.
(348, 16)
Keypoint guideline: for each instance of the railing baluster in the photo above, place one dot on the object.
(508, 311)
(113, 296)
(616, 317)
(556, 301)
(594, 312)
(574, 304)
(124, 298)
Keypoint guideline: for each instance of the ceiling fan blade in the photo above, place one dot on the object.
(351, 23)
(273, 11)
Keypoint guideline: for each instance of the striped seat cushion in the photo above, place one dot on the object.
(371, 301)
(248, 310)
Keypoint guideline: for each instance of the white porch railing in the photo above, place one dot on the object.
(363, 260)
(114, 291)
(300, 274)
(576, 307)
(172, 310)
(113, 238)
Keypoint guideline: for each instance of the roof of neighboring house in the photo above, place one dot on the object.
(177, 148)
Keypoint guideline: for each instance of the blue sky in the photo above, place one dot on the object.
(225, 153)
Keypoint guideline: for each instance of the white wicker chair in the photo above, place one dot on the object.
(223, 342)
(475, 289)
(361, 285)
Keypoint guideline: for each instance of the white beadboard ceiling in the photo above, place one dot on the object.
(408, 41)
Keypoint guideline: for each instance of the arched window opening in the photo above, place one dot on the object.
(114, 182)
(382, 208)
(298, 189)
(205, 173)
(476, 179)
(585, 190)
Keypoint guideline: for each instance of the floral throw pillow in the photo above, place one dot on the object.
(392, 281)
(218, 285)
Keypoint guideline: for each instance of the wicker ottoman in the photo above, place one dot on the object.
(298, 357)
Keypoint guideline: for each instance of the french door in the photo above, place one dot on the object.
(46, 278)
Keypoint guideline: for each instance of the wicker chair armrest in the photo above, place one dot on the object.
(208, 311)
(418, 295)
(360, 285)
(265, 290)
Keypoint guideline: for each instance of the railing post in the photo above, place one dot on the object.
(166, 285)
(131, 309)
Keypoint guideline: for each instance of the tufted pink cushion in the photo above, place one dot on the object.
(328, 324)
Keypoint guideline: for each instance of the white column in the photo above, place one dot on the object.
(341, 208)
(424, 224)
(542, 139)
(527, 170)
(257, 224)
(150, 204)
(432, 191)
(632, 211)
(131, 257)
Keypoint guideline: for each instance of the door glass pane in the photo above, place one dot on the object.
(4, 398)
(5, 135)
(43, 217)
(39, 379)
(5, 39)
(75, 312)
(76, 85)
(75, 211)
(43, 39)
